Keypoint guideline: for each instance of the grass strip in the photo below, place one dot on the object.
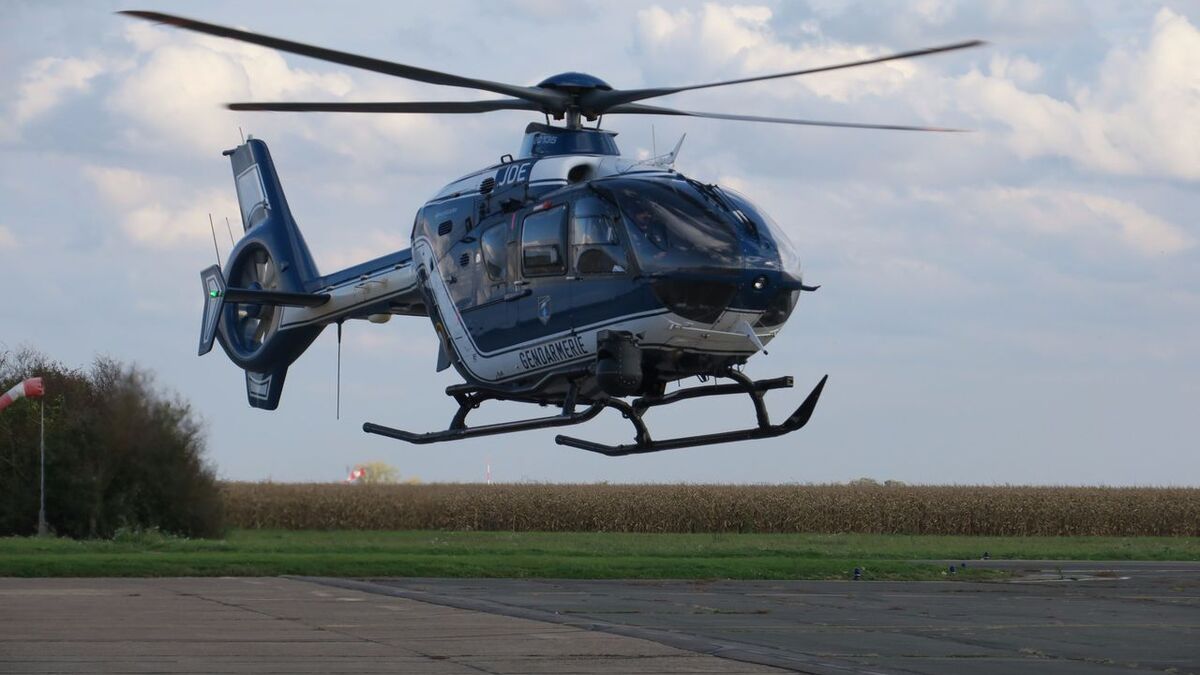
(557, 555)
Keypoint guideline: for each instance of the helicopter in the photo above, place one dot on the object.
(567, 275)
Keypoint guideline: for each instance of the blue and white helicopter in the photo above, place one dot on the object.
(567, 275)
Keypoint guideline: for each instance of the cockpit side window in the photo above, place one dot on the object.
(542, 242)
(494, 243)
(595, 243)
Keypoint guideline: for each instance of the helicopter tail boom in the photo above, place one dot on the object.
(270, 303)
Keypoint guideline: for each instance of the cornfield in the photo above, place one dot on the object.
(948, 510)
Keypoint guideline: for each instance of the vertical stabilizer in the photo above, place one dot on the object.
(264, 389)
(265, 213)
(269, 268)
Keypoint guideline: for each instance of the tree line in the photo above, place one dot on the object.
(120, 452)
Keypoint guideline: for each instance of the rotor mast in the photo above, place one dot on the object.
(574, 87)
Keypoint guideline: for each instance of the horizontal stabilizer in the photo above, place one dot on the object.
(259, 297)
(216, 293)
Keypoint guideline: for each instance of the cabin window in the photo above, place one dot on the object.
(542, 242)
(495, 251)
(595, 245)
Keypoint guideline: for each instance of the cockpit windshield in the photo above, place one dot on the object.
(673, 226)
(767, 229)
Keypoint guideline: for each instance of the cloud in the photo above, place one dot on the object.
(179, 82)
(157, 212)
(1085, 219)
(1137, 118)
(1134, 114)
(716, 36)
(1016, 68)
(7, 240)
(48, 81)
(45, 85)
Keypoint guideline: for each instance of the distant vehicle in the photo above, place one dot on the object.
(567, 275)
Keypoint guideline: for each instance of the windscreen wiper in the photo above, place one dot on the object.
(714, 193)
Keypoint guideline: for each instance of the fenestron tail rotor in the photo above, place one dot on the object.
(255, 322)
(575, 96)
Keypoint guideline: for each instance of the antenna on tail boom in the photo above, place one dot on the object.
(338, 388)
(213, 229)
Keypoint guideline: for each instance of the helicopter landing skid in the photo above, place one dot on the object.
(755, 389)
(469, 398)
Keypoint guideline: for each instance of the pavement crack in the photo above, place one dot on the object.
(269, 615)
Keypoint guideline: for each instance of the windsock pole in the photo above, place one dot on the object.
(42, 529)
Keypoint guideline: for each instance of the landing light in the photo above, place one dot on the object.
(760, 283)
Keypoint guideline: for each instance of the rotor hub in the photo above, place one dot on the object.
(574, 83)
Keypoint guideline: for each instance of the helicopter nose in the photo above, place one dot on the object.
(770, 293)
(763, 296)
(699, 298)
(704, 297)
(759, 288)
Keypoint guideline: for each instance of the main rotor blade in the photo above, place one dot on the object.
(641, 109)
(602, 101)
(393, 106)
(550, 99)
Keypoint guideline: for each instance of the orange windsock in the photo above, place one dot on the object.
(32, 388)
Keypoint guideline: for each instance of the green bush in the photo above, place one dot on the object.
(119, 454)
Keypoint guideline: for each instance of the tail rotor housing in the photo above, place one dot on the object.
(271, 256)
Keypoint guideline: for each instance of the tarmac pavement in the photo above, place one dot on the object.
(1055, 617)
(274, 625)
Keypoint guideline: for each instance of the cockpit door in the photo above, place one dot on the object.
(490, 317)
(545, 308)
(599, 262)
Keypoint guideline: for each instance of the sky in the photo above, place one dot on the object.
(1015, 305)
